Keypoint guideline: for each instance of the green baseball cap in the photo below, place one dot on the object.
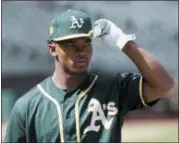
(70, 24)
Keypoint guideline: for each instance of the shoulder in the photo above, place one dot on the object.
(118, 82)
(104, 80)
(104, 84)
(127, 77)
(29, 99)
(119, 77)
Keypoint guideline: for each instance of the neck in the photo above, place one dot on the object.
(67, 81)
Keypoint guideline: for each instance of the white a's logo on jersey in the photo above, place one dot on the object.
(75, 23)
(98, 115)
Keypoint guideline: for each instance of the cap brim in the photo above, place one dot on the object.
(73, 36)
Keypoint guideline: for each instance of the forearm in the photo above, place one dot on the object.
(152, 71)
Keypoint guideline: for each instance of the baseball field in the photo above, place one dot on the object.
(145, 131)
(151, 131)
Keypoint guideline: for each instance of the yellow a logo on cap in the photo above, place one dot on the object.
(51, 30)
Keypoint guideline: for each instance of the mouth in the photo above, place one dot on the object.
(81, 62)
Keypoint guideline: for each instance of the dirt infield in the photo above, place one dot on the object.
(155, 130)
(150, 131)
(3, 130)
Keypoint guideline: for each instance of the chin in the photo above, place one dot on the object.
(77, 71)
(80, 71)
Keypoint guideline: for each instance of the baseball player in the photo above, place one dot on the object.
(74, 105)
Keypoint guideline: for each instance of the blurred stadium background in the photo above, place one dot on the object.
(26, 61)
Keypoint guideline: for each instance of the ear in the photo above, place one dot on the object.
(52, 49)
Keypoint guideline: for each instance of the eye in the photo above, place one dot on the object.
(88, 44)
(70, 45)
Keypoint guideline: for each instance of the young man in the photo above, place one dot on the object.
(75, 106)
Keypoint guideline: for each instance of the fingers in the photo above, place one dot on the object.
(99, 28)
(96, 31)
(102, 22)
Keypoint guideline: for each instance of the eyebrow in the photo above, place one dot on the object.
(73, 40)
(88, 40)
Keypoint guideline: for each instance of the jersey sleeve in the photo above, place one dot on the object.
(16, 126)
(131, 88)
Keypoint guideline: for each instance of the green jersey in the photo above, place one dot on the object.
(92, 112)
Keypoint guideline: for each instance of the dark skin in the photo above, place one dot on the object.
(68, 74)
(72, 58)
(157, 81)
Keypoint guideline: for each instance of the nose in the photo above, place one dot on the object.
(80, 54)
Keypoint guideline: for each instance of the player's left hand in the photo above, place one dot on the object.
(110, 33)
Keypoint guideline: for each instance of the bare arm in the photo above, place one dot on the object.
(158, 82)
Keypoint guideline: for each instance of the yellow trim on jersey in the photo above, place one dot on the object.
(141, 91)
(81, 95)
(58, 111)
